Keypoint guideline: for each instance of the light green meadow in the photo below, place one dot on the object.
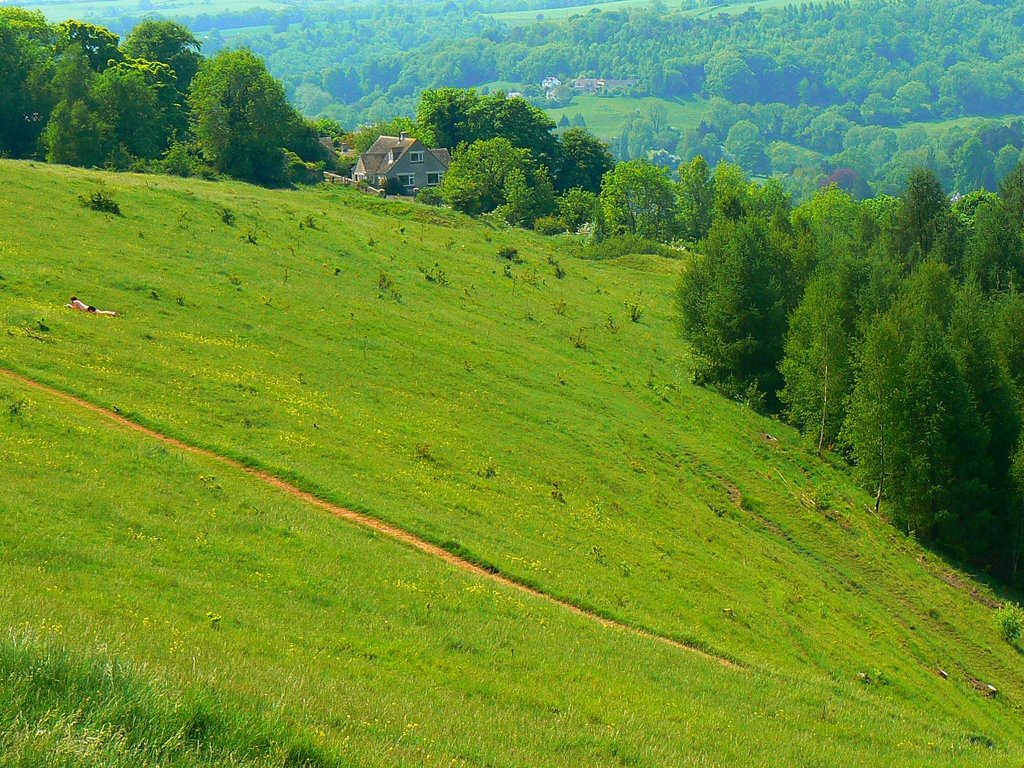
(606, 115)
(386, 358)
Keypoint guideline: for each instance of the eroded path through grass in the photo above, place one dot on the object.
(360, 518)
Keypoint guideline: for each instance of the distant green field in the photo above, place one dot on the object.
(500, 85)
(605, 116)
(58, 10)
(967, 123)
(383, 355)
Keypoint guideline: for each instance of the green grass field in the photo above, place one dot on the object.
(59, 10)
(968, 124)
(387, 359)
(606, 115)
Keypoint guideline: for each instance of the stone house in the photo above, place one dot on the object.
(405, 161)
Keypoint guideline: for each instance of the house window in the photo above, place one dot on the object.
(407, 180)
(415, 157)
(433, 179)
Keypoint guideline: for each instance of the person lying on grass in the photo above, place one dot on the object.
(81, 306)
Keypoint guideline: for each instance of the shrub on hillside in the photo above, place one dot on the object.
(624, 245)
(429, 196)
(101, 201)
(393, 187)
(509, 253)
(1010, 622)
(179, 160)
(298, 171)
(550, 225)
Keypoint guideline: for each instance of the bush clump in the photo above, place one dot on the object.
(429, 196)
(102, 201)
(550, 225)
(508, 253)
(625, 245)
(1010, 622)
(185, 160)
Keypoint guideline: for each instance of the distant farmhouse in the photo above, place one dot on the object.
(401, 163)
(549, 86)
(595, 84)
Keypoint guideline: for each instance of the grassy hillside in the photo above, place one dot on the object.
(384, 356)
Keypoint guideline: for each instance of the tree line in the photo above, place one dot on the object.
(75, 93)
(890, 331)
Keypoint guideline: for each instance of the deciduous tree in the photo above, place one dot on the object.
(241, 117)
(639, 198)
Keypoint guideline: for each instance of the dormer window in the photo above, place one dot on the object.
(415, 157)
(391, 155)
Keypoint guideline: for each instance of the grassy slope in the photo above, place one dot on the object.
(373, 651)
(61, 708)
(678, 513)
(606, 116)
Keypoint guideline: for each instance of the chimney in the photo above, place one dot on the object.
(404, 136)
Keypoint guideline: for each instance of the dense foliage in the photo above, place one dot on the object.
(887, 330)
(75, 94)
(851, 93)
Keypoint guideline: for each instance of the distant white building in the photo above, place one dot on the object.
(550, 85)
(515, 95)
(595, 84)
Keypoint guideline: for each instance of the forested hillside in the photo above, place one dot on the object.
(860, 92)
(889, 331)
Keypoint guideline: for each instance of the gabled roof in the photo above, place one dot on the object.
(442, 155)
(376, 159)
